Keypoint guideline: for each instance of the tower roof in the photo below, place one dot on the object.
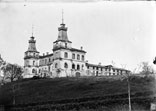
(62, 36)
(32, 45)
(62, 33)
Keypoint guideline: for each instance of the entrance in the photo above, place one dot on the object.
(78, 74)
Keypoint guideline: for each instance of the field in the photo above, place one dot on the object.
(83, 94)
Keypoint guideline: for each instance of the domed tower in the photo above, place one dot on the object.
(31, 59)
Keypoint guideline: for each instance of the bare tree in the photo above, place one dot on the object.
(146, 68)
(2, 65)
(12, 71)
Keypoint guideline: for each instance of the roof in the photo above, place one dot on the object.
(107, 66)
(62, 41)
(95, 65)
(29, 57)
(71, 49)
(31, 51)
(78, 50)
(44, 56)
(62, 33)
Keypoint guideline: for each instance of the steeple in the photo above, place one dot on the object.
(32, 30)
(32, 51)
(62, 40)
(32, 42)
(62, 17)
(62, 36)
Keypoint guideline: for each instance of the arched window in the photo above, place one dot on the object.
(65, 55)
(56, 65)
(82, 57)
(33, 70)
(73, 66)
(78, 57)
(73, 56)
(78, 67)
(65, 65)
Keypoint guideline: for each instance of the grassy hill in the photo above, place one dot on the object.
(43, 90)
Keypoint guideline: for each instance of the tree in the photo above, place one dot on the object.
(154, 61)
(146, 68)
(12, 71)
(2, 65)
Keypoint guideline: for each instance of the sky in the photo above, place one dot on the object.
(122, 33)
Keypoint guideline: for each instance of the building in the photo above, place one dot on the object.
(64, 61)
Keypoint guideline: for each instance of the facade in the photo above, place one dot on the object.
(65, 61)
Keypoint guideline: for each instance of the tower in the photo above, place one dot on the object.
(62, 40)
(61, 50)
(31, 59)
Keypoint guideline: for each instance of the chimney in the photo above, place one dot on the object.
(99, 63)
(47, 53)
(81, 48)
(43, 54)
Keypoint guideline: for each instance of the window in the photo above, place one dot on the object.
(65, 55)
(78, 67)
(73, 56)
(34, 54)
(56, 65)
(49, 60)
(65, 65)
(78, 57)
(82, 66)
(82, 57)
(33, 70)
(45, 61)
(48, 68)
(33, 62)
(65, 45)
(88, 67)
(73, 66)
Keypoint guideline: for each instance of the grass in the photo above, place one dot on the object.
(42, 90)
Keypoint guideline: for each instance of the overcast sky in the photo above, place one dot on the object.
(123, 32)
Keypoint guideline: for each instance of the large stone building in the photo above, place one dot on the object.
(64, 61)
